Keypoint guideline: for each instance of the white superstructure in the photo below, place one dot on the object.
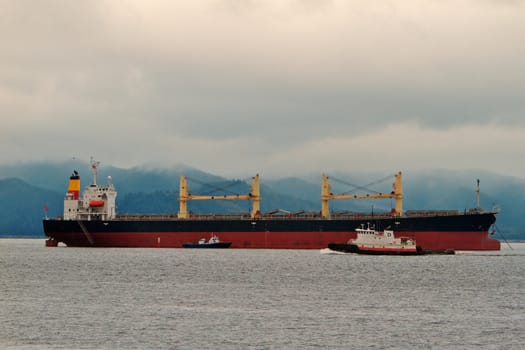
(97, 202)
(370, 238)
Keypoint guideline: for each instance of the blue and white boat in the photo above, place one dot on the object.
(213, 242)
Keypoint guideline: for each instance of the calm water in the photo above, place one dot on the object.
(81, 298)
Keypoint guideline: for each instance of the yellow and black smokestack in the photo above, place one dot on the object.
(74, 185)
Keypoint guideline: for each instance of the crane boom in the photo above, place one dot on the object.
(185, 196)
(397, 194)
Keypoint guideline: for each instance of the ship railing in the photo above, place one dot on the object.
(146, 217)
(412, 213)
(296, 216)
(244, 216)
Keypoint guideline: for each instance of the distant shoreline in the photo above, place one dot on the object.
(22, 236)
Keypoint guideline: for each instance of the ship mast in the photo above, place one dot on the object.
(397, 194)
(184, 196)
(94, 167)
(477, 197)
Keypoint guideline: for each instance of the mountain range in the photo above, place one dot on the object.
(31, 191)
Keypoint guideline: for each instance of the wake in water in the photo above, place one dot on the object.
(328, 251)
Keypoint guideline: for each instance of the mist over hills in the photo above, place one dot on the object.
(26, 188)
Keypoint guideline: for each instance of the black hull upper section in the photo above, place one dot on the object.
(468, 222)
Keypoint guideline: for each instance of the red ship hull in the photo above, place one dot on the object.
(427, 240)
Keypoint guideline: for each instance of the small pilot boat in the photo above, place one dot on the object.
(213, 242)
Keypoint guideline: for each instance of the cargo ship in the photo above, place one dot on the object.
(91, 220)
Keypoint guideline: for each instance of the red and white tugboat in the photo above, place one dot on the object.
(370, 241)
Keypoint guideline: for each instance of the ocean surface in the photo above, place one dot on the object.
(117, 298)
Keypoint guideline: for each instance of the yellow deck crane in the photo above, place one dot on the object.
(397, 194)
(184, 196)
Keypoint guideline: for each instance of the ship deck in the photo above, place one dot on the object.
(302, 215)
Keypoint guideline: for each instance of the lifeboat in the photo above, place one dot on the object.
(96, 203)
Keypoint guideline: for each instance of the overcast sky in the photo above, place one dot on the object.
(276, 87)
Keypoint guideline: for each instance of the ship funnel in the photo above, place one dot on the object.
(74, 185)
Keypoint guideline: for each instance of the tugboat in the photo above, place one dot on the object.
(370, 241)
(213, 242)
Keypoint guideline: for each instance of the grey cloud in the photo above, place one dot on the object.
(284, 73)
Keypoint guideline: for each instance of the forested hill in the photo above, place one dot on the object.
(26, 189)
